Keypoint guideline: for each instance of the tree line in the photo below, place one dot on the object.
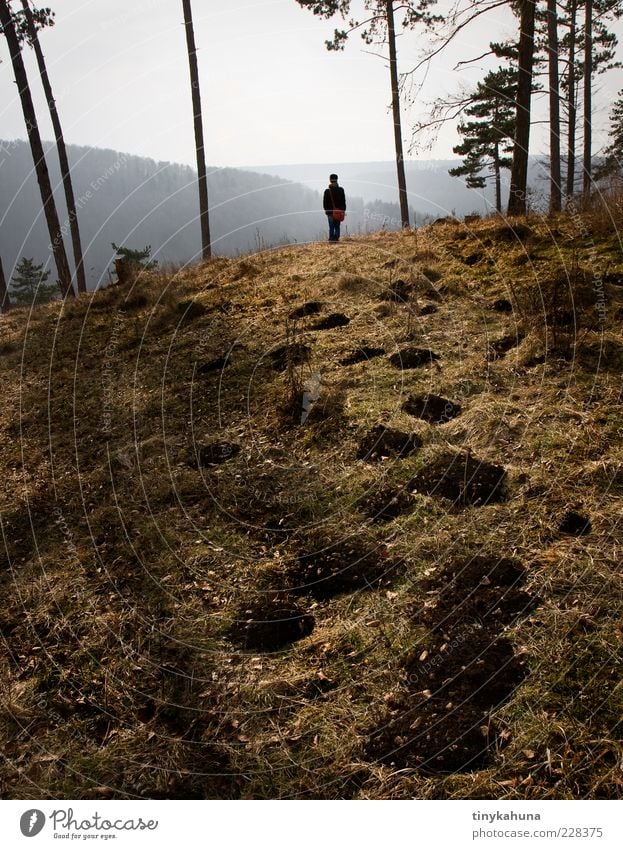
(566, 43)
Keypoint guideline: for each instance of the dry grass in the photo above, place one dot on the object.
(125, 563)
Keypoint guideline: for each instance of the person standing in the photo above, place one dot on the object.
(334, 203)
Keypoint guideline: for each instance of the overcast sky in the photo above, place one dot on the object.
(272, 93)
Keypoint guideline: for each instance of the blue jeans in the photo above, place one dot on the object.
(334, 228)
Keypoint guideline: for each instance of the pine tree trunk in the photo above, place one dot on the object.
(204, 212)
(5, 301)
(393, 69)
(62, 150)
(588, 80)
(36, 147)
(498, 179)
(571, 105)
(555, 194)
(519, 171)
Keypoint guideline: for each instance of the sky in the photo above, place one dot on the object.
(272, 93)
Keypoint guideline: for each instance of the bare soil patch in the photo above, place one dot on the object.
(388, 503)
(575, 524)
(269, 625)
(295, 354)
(342, 567)
(384, 441)
(362, 355)
(215, 453)
(413, 358)
(461, 478)
(335, 319)
(431, 408)
(308, 308)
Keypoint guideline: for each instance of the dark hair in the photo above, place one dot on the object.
(333, 177)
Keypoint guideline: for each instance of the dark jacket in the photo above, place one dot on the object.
(334, 198)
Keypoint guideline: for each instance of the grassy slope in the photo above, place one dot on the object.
(125, 566)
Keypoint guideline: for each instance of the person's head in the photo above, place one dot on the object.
(333, 178)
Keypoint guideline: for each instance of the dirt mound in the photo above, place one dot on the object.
(384, 441)
(430, 737)
(190, 310)
(429, 309)
(398, 292)
(509, 233)
(500, 347)
(215, 453)
(483, 589)
(413, 358)
(575, 524)
(343, 567)
(268, 625)
(502, 305)
(387, 504)
(218, 364)
(296, 354)
(308, 308)
(361, 355)
(336, 319)
(444, 725)
(461, 478)
(431, 408)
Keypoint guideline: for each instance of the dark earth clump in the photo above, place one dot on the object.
(397, 292)
(575, 524)
(361, 355)
(412, 358)
(218, 364)
(512, 233)
(190, 310)
(431, 408)
(483, 589)
(270, 625)
(461, 478)
(428, 309)
(344, 567)
(387, 504)
(502, 305)
(336, 319)
(475, 665)
(384, 441)
(136, 302)
(309, 308)
(498, 348)
(473, 258)
(296, 354)
(444, 725)
(560, 318)
(216, 453)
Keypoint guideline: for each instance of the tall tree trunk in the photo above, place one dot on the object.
(204, 211)
(571, 104)
(498, 179)
(555, 194)
(5, 301)
(62, 151)
(588, 80)
(393, 69)
(519, 170)
(36, 147)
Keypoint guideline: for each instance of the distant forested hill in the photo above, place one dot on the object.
(136, 202)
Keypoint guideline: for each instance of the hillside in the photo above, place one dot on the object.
(135, 201)
(329, 521)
